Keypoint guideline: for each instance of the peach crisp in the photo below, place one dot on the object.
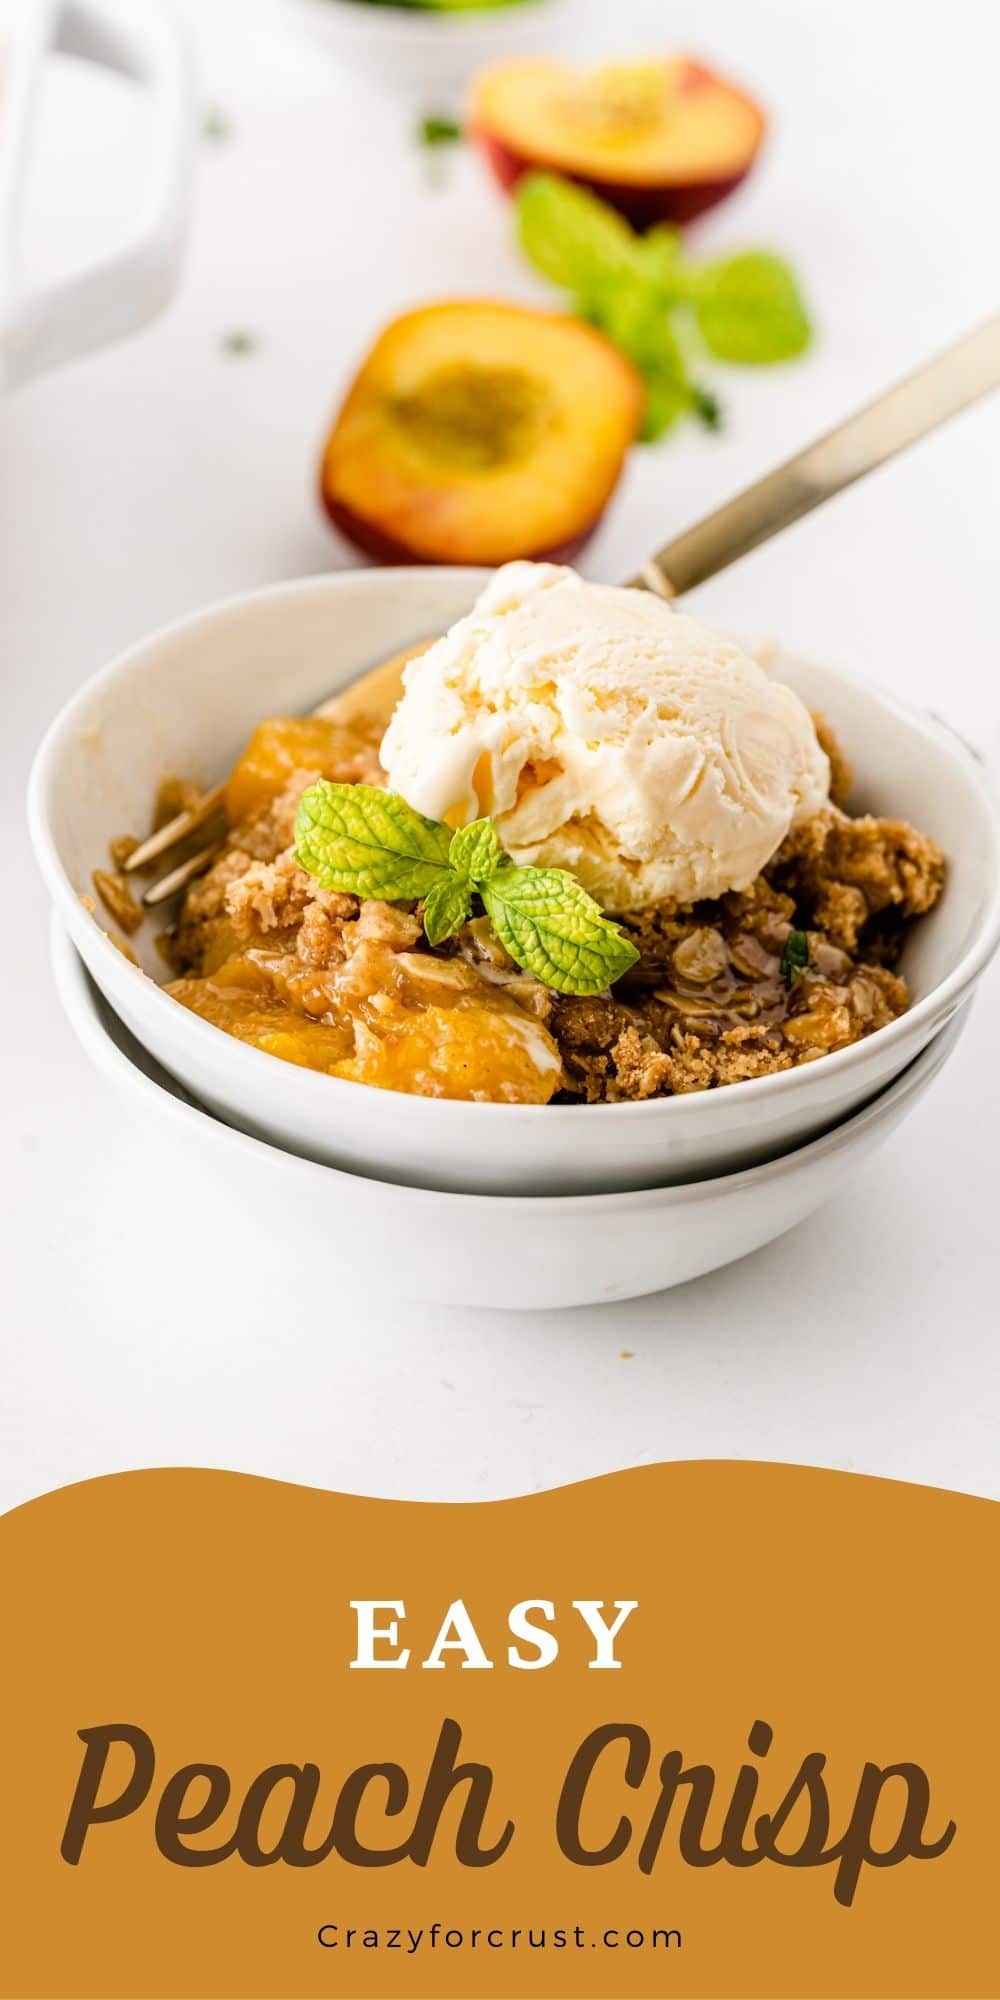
(801, 963)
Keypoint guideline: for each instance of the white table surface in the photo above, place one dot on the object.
(147, 481)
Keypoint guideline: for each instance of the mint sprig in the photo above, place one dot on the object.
(365, 842)
(657, 305)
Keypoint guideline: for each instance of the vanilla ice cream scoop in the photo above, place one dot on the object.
(605, 733)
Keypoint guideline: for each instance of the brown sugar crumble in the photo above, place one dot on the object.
(711, 1001)
(717, 995)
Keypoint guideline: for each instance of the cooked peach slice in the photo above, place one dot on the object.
(661, 141)
(443, 1032)
(406, 1022)
(234, 999)
(287, 743)
(479, 432)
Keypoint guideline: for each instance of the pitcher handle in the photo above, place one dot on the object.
(42, 326)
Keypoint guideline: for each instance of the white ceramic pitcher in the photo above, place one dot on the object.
(42, 326)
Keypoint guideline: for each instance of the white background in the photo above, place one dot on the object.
(140, 1326)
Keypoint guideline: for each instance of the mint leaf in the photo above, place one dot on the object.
(636, 319)
(476, 852)
(623, 284)
(366, 842)
(633, 314)
(795, 956)
(661, 258)
(574, 239)
(749, 309)
(667, 398)
(554, 930)
(446, 908)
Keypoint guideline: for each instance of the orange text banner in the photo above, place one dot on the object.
(700, 1729)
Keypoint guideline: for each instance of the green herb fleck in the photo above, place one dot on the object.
(708, 409)
(239, 342)
(366, 842)
(438, 130)
(795, 956)
(215, 126)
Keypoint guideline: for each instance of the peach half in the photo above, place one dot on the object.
(478, 432)
(660, 141)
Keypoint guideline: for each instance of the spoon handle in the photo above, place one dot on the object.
(939, 390)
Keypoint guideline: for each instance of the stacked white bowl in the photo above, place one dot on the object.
(509, 1205)
(429, 52)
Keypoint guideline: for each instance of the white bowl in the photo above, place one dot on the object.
(419, 51)
(497, 1250)
(185, 702)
